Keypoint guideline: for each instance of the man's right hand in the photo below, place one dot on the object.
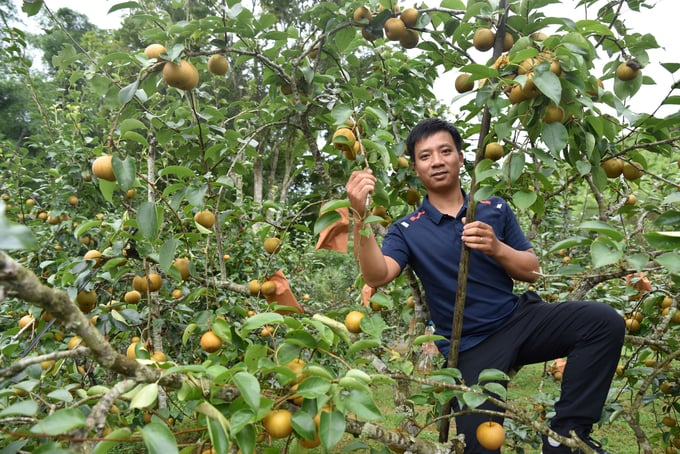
(360, 184)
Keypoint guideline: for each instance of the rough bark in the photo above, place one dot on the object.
(24, 284)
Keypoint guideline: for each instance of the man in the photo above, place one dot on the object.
(500, 330)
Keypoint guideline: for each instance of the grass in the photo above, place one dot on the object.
(616, 436)
(528, 386)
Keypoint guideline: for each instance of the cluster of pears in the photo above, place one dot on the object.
(483, 40)
(272, 245)
(397, 28)
(345, 139)
(615, 167)
(184, 75)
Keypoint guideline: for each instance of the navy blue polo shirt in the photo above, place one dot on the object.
(431, 243)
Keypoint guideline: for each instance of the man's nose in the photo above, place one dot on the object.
(436, 158)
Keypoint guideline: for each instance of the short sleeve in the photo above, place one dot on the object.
(513, 234)
(394, 246)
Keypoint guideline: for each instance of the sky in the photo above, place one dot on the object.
(661, 21)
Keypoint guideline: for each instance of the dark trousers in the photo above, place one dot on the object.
(589, 334)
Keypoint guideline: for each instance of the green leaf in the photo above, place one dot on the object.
(362, 344)
(254, 353)
(513, 166)
(331, 429)
(663, 240)
(333, 205)
(130, 124)
(313, 387)
(670, 261)
(338, 328)
(191, 327)
(326, 220)
(135, 137)
(274, 35)
(478, 71)
(183, 369)
(84, 227)
(485, 169)
(484, 193)
(382, 300)
(453, 4)
(627, 89)
(669, 218)
(107, 188)
(61, 394)
(59, 422)
(147, 220)
(473, 399)
(128, 92)
(549, 84)
(249, 387)
(301, 338)
(638, 261)
(427, 338)
(189, 391)
(498, 390)
(313, 370)
(492, 375)
(14, 236)
(583, 167)
(378, 114)
(180, 171)
(105, 446)
(574, 241)
(524, 199)
(167, 254)
(245, 438)
(213, 413)
(590, 27)
(158, 439)
(124, 170)
(602, 228)
(360, 402)
(604, 251)
(218, 435)
(343, 37)
(23, 408)
(341, 113)
(259, 320)
(555, 136)
(241, 419)
(303, 424)
(146, 396)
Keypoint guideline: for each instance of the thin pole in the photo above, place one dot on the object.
(461, 291)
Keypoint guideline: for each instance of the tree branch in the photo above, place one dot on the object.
(24, 284)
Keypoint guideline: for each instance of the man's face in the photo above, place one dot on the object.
(438, 162)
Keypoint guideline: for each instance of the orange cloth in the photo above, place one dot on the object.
(366, 293)
(336, 236)
(283, 295)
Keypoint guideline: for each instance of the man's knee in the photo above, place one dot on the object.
(611, 321)
(602, 321)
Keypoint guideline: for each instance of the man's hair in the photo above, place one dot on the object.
(426, 128)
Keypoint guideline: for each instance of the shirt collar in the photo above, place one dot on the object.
(435, 214)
